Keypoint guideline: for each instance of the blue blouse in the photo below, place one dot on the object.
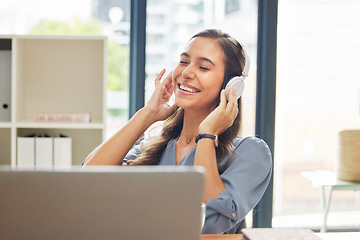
(245, 178)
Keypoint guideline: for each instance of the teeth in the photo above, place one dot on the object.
(187, 89)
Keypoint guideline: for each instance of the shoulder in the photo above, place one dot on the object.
(252, 150)
(251, 144)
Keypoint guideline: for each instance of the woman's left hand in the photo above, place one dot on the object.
(223, 116)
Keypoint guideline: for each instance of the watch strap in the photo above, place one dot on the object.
(213, 137)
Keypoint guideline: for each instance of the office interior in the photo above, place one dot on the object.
(303, 89)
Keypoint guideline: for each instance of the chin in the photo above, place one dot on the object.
(182, 104)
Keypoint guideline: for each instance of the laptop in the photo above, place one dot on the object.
(139, 203)
(279, 234)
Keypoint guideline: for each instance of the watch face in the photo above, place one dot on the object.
(216, 141)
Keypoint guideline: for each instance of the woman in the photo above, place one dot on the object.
(237, 170)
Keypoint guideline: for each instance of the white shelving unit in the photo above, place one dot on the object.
(56, 74)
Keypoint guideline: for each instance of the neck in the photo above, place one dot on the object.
(191, 124)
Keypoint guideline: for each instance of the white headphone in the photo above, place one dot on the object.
(237, 82)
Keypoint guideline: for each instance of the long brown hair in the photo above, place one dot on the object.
(234, 65)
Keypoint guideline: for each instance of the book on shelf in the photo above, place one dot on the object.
(62, 117)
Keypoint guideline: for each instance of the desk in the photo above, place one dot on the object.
(323, 236)
(339, 235)
(327, 179)
(222, 237)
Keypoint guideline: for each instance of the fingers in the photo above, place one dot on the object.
(222, 117)
(231, 106)
(159, 76)
(168, 83)
(166, 95)
(163, 88)
(233, 103)
(222, 98)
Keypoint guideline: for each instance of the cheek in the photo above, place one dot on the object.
(214, 83)
(176, 72)
(214, 87)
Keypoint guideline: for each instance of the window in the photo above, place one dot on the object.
(181, 19)
(318, 92)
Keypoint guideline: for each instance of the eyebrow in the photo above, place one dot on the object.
(200, 58)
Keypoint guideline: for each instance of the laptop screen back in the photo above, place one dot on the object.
(101, 203)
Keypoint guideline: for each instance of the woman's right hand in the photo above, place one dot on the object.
(158, 106)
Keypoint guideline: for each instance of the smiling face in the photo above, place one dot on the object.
(198, 77)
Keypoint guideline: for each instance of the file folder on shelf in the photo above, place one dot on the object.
(43, 152)
(62, 152)
(25, 152)
(5, 85)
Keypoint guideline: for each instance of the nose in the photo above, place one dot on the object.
(188, 72)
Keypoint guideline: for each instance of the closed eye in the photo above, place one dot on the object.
(204, 68)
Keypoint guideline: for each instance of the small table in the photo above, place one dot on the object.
(327, 179)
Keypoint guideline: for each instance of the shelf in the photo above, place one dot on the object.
(83, 140)
(54, 74)
(5, 125)
(67, 72)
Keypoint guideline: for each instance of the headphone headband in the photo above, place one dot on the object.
(245, 72)
(237, 82)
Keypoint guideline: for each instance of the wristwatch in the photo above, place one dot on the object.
(213, 137)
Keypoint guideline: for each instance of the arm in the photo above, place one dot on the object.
(246, 178)
(215, 123)
(113, 151)
(231, 195)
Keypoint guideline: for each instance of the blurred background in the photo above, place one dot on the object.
(318, 77)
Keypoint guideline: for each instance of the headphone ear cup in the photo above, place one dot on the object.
(236, 83)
